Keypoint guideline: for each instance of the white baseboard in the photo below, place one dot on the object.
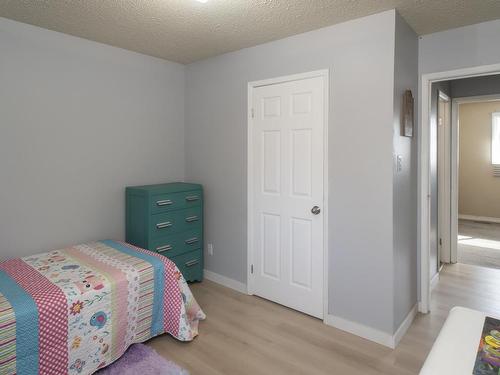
(404, 326)
(372, 334)
(369, 333)
(434, 280)
(225, 281)
(485, 219)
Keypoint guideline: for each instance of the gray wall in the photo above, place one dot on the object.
(475, 86)
(460, 48)
(79, 121)
(360, 56)
(405, 181)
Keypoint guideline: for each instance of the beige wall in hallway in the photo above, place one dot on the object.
(479, 191)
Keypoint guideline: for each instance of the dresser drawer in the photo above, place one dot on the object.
(173, 201)
(177, 244)
(168, 219)
(190, 265)
(175, 222)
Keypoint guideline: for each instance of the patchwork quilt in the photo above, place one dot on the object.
(76, 310)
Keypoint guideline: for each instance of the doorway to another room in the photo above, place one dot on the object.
(479, 182)
(460, 227)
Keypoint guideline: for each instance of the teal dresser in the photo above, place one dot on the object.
(168, 219)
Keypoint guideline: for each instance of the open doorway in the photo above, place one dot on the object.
(460, 172)
(479, 181)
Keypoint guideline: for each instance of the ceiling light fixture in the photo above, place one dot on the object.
(202, 1)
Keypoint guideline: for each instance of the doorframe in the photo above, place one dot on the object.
(323, 73)
(424, 167)
(444, 193)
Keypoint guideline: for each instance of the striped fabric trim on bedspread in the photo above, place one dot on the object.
(7, 337)
(48, 307)
(75, 310)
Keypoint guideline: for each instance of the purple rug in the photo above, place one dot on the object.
(141, 359)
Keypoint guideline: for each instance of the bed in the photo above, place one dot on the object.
(455, 349)
(76, 310)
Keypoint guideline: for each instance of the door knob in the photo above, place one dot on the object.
(315, 210)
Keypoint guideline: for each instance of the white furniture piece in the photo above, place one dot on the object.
(455, 349)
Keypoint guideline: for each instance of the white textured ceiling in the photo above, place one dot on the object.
(186, 30)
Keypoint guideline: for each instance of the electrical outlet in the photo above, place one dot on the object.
(210, 248)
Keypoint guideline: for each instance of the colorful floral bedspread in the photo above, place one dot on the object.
(76, 310)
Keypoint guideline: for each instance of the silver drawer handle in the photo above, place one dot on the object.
(192, 198)
(164, 248)
(191, 240)
(166, 202)
(192, 262)
(166, 224)
(190, 219)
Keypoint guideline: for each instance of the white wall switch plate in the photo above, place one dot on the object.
(210, 248)
(399, 163)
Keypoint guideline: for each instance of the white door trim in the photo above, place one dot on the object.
(444, 191)
(250, 246)
(454, 182)
(424, 170)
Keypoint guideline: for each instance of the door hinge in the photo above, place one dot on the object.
(440, 242)
(251, 268)
(253, 115)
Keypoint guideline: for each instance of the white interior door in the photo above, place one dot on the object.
(287, 133)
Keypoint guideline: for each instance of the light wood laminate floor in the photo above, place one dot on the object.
(479, 243)
(249, 335)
